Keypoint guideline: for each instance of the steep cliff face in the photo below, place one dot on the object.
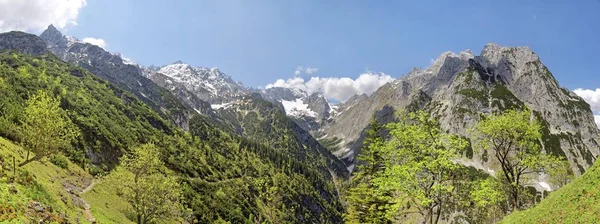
(458, 88)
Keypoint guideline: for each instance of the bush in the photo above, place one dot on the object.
(60, 160)
(96, 171)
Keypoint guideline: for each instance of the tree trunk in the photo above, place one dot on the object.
(515, 195)
(28, 160)
(439, 213)
(139, 219)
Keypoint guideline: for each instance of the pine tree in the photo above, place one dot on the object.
(365, 203)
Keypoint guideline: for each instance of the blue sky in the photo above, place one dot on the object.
(257, 42)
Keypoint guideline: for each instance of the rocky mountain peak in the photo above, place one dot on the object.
(54, 38)
(494, 54)
(458, 88)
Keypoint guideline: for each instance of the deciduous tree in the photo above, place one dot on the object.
(46, 127)
(513, 139)
(144, 183)
(420, 165)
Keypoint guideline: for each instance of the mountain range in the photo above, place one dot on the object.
(457, 88)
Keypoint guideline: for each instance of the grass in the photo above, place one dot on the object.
(39, 181)
(47, 185)
(107, 206)
(576, 202)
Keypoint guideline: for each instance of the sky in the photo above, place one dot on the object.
(337, 41)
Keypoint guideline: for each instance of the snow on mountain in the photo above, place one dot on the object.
(219, 106)
(209, 84)
(297, 108)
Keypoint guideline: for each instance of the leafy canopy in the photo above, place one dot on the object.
(513, 138)
(46, 127)
(143, 181)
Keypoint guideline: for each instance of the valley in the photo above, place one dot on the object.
(210, 150)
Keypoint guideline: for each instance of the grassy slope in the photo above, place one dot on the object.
(106, 206)
(209, 161)
(576, 202)
(49, 189)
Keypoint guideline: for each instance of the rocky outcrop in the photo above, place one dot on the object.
(458, 88)
(23, 43)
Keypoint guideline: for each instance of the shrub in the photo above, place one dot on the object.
(60, 160)
(96, 171)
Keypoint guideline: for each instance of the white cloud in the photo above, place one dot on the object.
(592, 97)
(36, 15)
(95, 41)
(310, 71)
(336, 88)
(305, 70)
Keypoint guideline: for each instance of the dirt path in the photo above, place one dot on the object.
(76, 197)
(89, 187)
(87, 213)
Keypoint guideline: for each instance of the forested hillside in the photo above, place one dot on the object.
(221, 177)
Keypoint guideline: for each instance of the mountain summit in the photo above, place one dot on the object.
(457, 88)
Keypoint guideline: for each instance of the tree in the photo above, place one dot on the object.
(487, 197)
(365, 203)
(46, 127)
(560, 173)
(145, 185)
(419, 165)
(513, 139)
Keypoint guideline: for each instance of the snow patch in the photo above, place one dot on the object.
(219, 106)
(297, 108)
(128, 61)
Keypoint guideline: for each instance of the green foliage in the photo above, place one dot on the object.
(223, 176)
(414, 173)
(241, 180)
(479, 95)
(365, 203)
(576, 202)
(143, 182)
(60, 160)
(419, 162)
(503, 98)
(560, 173)
(46, 127)
(512, 138)
(488, 197)
(110, 119)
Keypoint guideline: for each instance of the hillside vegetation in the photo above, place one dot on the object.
(222, 176)
(576, 202)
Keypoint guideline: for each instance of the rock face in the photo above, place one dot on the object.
(121, 72)
(23, 43)
(458, 88)
(208, 84)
